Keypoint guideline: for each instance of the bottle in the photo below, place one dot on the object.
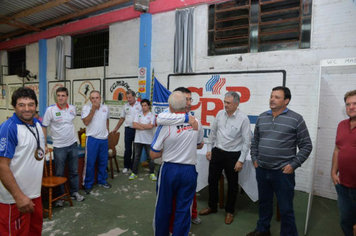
(83, 139)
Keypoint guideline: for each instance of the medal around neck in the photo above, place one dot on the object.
(39, 154)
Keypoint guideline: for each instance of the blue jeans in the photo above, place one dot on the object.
(347, 206)
(129, 138)
(69, 154)
(275, 181)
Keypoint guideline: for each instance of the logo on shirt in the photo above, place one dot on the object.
(181, 128)
(71, 112)
(58, 114)
(104, 110)
(3, 142)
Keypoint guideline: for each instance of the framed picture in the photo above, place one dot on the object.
(53, 86)
(81, 92)
(3, 97)
(115, 93)
(11, 89)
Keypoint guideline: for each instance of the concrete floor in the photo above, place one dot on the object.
(127, 209)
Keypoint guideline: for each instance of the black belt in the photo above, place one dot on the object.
(218, 149)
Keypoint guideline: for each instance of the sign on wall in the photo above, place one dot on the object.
(208, 90)
(3, 97)
(81, 92)
(53, 86)
(115, 93)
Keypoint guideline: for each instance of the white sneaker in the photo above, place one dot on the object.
(125, 170)
(77, 196)
(196, 221)
(59, 203)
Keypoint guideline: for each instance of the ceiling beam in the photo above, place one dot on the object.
(16, 23)
(40, 8)
(67, 17)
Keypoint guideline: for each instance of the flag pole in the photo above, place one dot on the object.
(152, 83)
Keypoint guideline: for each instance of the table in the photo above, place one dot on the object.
(247, 176)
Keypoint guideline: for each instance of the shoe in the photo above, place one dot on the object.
(59, 203)
(153, 177)
(259, 233)
(196, 221)
(77, 196)
(88, 190)
(132, 176)
(106, 185)
(229, 218)
(207, 211)
(125, 170)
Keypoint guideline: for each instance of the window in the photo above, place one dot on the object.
(16, 61)
(243, 26)
(88, 49)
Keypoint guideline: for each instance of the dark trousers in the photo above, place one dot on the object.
(346, 200)
(221, 160)
(129, 138)
(275, 181)
(138, 152)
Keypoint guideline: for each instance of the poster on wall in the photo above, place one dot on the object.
(81, 92)
(11, 88)
(53, 86)
(115, 93)
(3, 97)
(208, 90)
(35, 87)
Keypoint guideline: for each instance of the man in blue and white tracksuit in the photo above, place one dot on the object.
(96, 117)
(177, 144)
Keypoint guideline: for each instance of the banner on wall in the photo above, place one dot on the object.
(208, 91)
(115, 93)
(81, 92)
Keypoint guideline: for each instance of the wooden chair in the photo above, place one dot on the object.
(113, 140)
(49, 181)
(80, 132)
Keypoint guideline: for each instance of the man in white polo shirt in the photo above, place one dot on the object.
(130, 109)
(60, 118)
(177, 144)
(21, 167)
(144, 124)
(96, 117)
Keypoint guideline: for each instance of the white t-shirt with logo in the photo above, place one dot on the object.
(61, 123)
(129, 113)
(19, 144)
(97, 127)
(179, 143)
(144, 136)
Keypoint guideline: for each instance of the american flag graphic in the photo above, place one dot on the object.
(215, 84)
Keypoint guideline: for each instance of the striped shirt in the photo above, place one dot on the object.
(276, 139)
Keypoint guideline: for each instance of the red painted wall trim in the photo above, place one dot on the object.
(100, 21)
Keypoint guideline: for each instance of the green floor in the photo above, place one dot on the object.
(127, 209)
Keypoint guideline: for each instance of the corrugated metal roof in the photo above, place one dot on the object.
(9, 9)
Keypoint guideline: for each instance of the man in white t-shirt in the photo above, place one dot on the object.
(128, 112)
(144, 123)
(60, 118)
(21, 167)
(177, 144)
(96, 117)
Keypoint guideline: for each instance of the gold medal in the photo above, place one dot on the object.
(39, 154)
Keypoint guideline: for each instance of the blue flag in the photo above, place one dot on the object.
(160, 97)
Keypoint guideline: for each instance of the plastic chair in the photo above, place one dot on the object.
(49, 181)
(113, 140)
